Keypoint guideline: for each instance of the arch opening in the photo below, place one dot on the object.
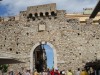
(46, 14)
(41, 14)
(36, 15)
(40, 57)
(53, 13)
(30, 15)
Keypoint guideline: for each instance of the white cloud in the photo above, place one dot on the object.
(14, 6)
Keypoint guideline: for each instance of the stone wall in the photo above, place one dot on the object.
(42, 9)
(75, 43)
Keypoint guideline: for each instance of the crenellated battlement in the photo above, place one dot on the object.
(47, 11)
(42, 10)
(39, 12)
(36, 12)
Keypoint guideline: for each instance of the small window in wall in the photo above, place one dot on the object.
(36, 15)
(30, 15)
(46, 14)
(53, 13)
(79, 53)
(10, 49)
(24, 14)
(5, 38)
(27, 33)
(17, 44)
(33, 18)
(55, 17)
(16, 52)
(41, 14)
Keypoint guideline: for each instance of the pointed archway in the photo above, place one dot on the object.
(32, 66)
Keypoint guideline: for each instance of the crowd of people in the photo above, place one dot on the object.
(56, 72)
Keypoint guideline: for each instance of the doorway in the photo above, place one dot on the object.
(40, 58)
(35, 60)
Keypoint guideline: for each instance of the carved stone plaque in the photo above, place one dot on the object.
(42, 26)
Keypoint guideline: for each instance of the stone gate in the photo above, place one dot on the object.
(73, 43)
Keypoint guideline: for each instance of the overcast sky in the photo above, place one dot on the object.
(12, 7)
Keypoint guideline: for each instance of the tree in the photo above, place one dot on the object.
(4, 68)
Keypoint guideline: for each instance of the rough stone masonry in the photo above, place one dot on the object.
(75, 43)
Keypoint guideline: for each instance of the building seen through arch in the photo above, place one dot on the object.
(43, 57)
(40, 58)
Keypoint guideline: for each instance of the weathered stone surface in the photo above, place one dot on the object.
(75, 43)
